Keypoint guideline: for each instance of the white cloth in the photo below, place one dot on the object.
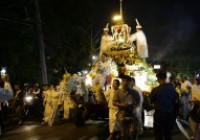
(106, 40)
(148, 118)
(142, 47)
(185, 85)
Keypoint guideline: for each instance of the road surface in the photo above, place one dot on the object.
(92, 130)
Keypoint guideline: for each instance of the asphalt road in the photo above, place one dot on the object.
(92, 130)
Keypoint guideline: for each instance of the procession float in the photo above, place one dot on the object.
(121, 53)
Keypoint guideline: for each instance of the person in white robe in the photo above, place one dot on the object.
(113, 110)
(106, 40)
(141, 42)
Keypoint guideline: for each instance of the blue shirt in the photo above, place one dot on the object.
(164, 98)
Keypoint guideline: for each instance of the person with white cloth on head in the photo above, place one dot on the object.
(106, 40)
(141, 42)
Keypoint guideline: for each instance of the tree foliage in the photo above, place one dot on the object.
(66, 31)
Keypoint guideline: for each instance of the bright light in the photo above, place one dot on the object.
(141, 79)
(85, 72)
(94, 57)
(3, 72)
(28, 98)
(156, 67)
(117, 18)
(79, 73)
(88, 80)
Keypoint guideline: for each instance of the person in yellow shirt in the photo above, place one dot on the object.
(46, 104)
(55, 103)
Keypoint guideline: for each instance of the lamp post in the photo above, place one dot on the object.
(40, 42)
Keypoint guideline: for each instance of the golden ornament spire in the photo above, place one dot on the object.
(119, 18)
(121, 11)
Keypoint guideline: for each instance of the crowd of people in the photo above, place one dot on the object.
(176, 98)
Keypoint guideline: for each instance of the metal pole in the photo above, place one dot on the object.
(91, 47)
(40, 42)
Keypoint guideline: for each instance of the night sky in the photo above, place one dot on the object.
(171, 26)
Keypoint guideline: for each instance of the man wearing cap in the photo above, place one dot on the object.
(141, 42)
(105, 40)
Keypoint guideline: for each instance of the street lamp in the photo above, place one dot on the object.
(157, 67)
(79, 73)
(3, 72)
(94, 57)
